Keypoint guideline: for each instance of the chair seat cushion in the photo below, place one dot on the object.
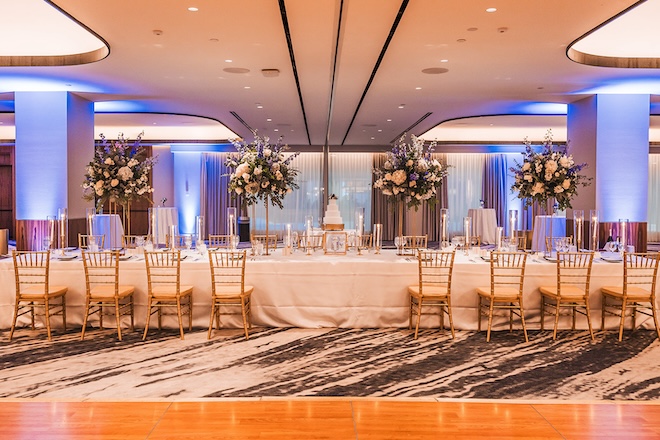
(233, 291)
(567, 292)
(500, 293)
(169, 291)
(108, 291)
(428, 291)
(36, 291)
(634, 293)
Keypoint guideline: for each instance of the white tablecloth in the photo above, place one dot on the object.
(350, 291)
(484, 224)
(109, 225)
(164, 218)
(543, 226)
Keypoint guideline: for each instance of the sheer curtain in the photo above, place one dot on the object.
(299, 203)
(464, 185)
(653, 216)
(350, 177)
(494, 186)
(213, 192)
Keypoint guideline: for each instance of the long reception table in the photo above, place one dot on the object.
(352, 291)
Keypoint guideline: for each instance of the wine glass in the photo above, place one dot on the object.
(294, 237)
(188, 241)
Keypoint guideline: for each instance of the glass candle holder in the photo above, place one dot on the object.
(594, 219)
(513, 223)
(444, 219)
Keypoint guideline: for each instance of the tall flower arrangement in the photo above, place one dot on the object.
(410, 174)
(548, 174)
(261, 171)
(119, 172)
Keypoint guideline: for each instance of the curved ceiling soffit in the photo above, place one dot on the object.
(610, 61)
(60, 60)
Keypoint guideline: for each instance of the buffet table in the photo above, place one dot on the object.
(367, 291)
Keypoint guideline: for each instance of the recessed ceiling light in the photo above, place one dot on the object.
(229, 61)
(389, 120)
(372, 138)
(418, 88)
(380, 130)
(402, 105)
(461, 40)
(276, 129)
(235, 70)
(193, 9)
(214, 40)
(444, 61)
(260, 106)
(472, 29)
(491, 9)
(246, 87)
(269, 120)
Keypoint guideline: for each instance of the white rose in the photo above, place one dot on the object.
(267, 152)
(566, 184)
(528, 177)
(238, 190)
(278, 175)
(564, 161)
(387, 165)
(388, 176)
(412, 183)
(109, 161)
(257, 171)
(526, 166)
(125, 173)
(399, 176)
(114, 182)
(246, 177)
(275, 167)
(387, 192)
(265, 184)
(409, 163)
(558, 189)
(99, 184)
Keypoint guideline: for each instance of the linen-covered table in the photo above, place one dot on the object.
(484, 224)
(368, 291)
(110, 226)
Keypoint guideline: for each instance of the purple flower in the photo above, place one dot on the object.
(414, 176)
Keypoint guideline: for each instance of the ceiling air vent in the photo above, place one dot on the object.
(270, 73)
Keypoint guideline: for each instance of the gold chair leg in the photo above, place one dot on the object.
(208, 336)
(591, 330)
(451, 321)
(623, 315)
(13, 324)
(178, 312)
(542, 312)
(655, 316)
(522, 318)
(490, 319)
(419, 316)
(146, 325)
(101, 315)
(118, 318)
(245, 327)
(84, 326)
(554, 333)
(47, 313)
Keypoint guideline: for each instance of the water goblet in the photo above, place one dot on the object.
(188, 241)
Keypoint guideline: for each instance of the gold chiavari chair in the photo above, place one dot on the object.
(459, 240)
(507, 274)
(269, 242)
(411, 243)
(131, 241)
(219, 241)
(102, 289)
(571, 290)
(520, 241)
(549, 241)
(433, 289)
(165, 289)
(228, 288)
(179, 242)
(637, 292)
(33, 289)
(316, 241)
(365, 241)
(84, 240)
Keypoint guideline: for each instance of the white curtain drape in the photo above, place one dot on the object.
(299, 203)
(653, 216)
(350, 180)
(464, 185)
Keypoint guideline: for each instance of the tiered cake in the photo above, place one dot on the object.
(332, 220)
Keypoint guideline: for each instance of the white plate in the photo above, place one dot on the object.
(65, 257)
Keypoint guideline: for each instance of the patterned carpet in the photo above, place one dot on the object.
(331, 362)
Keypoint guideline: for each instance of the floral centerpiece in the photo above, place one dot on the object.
(409, 174)
(548, 174)
(119, 172)
(261, 171)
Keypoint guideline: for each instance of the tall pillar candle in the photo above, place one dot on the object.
(378, 237)
(578, 227)
(444, 218)
(594, 218)
(467, 229)
(513, 222)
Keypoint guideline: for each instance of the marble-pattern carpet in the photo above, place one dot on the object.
(330, 362)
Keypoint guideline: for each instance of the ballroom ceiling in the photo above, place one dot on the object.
(352, 72)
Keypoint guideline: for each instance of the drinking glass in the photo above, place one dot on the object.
(188, 240)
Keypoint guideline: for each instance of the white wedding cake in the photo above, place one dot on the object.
(332, 219)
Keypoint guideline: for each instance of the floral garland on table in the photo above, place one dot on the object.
(119, 172)
(410, 174)
(548, 174)
(260, 171)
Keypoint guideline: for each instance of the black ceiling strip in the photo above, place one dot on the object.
(234, 114)
(334, 73)
(399, 15)
(409, 129)
(287, 34)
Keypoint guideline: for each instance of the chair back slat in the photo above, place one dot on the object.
(574, 269)
(507, 269)
(101, 268)
(435, 269)
(163, 268)
(219, 241)
(131, 241)
(640, 270)
(31, 268)
(227, 269)
(85, 240)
